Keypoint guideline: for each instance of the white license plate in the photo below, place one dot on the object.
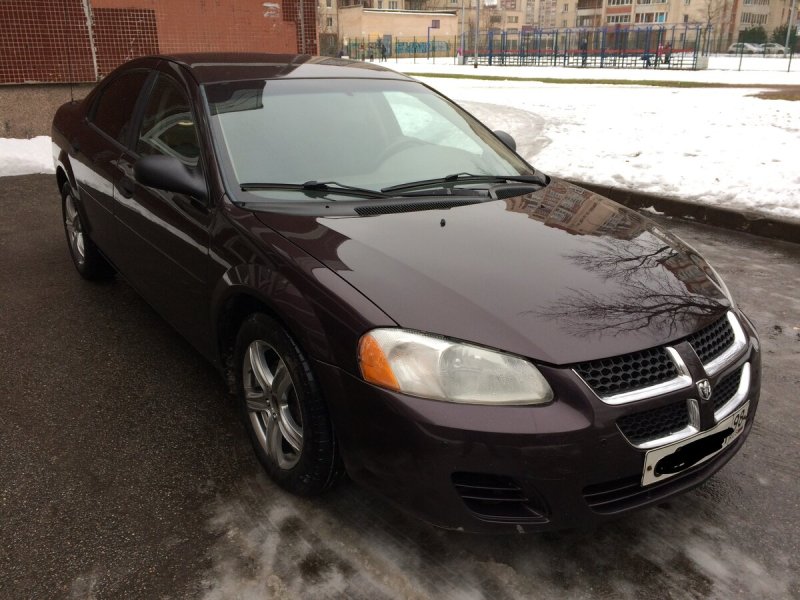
(662, 463)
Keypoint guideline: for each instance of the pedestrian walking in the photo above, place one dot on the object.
(584, 51)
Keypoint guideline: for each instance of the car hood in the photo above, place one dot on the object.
(560, 275)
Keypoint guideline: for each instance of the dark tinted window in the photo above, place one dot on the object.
(168, 127)
(114, 109)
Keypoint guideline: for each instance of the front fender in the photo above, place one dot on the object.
(324, 314)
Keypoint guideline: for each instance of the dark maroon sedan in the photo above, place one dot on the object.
(392, 291)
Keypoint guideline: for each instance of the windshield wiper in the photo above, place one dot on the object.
(459, 178)
(319, 188)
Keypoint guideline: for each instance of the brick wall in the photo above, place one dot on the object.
(121, 34)
(305, 27)
(44, 40)
(51, 40)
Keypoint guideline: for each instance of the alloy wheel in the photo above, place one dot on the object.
(272, 404)
(72, 222)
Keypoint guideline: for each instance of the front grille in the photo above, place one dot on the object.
(655, 423)
(498, 498)
(646, 368)
(713, 340)
(726, 389)
(628, 372)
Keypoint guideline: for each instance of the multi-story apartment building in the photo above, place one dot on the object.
(727, 18)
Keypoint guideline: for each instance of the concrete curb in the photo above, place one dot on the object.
(786, 229)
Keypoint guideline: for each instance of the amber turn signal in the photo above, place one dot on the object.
(374, 365)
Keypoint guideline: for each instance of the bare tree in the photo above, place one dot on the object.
(718, 14)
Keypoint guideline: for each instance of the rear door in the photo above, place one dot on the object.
(96, 151)
(164, 234)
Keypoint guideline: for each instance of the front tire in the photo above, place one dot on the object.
(283, 409)
(85, 256)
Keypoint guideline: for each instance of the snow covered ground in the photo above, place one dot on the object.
(719, 146)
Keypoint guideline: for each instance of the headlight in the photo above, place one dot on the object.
(436, 368)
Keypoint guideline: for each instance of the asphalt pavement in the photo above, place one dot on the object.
(125, 473)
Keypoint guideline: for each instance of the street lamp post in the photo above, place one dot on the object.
(791, 22)
(477, 29)
(461, 42)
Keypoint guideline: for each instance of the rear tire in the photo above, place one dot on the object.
(283, 410)
(85, 256)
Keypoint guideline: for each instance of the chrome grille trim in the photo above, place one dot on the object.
(683, 380)
(684, 433)
(739, 342)
(739, 397)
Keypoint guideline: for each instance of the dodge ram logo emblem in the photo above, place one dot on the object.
(704, 389)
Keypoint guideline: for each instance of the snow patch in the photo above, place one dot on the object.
(22, 157)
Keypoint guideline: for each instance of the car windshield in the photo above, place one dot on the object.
(365, 133)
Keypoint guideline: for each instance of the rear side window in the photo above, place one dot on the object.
(168, 127)
(113, 112)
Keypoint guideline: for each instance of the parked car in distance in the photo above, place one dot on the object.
(389, 289)
(773, 48)
(744, 48)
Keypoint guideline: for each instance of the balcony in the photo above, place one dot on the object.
(590, 4)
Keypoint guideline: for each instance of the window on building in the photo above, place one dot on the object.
(657, 17)
(329, 3)
(685, 18)
(329, 21)
(618, 2)
(566, 8)
(512, 20)
(563, 22)
(380, 3)
(618, 19)
(392, 4)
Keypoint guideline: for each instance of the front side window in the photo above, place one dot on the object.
(366, 133)
(113, 111)
(168, 127)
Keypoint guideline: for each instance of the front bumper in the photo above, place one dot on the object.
(516, 469)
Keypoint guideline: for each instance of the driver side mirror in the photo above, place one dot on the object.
(169, 174)
(506, 139)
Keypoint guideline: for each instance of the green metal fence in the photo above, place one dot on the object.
(661, 46)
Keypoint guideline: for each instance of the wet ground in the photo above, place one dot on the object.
(124, 472)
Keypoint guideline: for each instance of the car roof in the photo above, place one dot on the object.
(214, 67)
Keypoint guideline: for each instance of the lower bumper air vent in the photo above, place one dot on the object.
(499, 499)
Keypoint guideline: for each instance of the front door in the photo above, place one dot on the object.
(165, 235)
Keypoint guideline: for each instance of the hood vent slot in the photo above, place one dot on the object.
(401, 207)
